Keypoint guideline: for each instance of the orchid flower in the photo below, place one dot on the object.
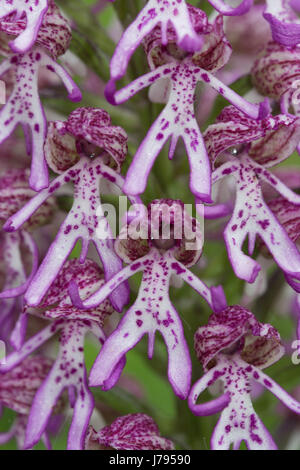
(14, 193)
(68, 370)
(24, 106)
(273, 140)
(68, 150)
(34, 10)
(17, 390)
(165, 14)
(159, 259)
(234, 348)
(131, 432)
(178, 118)
(284, 21)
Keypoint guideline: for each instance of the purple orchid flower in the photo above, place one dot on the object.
(68, 149)
(68, 370)
(17, 390)
(234, 348)
(131, 432)
(178, 118)
(24, 106)
(273, 140)
(15, 248)
(284, 21)
(34, 10)
(158, 259)
(165, 14)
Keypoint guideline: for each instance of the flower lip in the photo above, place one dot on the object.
(165, 226)
(236, 329)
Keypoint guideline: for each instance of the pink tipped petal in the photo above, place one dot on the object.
(115, 376)
(193, 281)
(124, 338)
(214, 406)
(284, 22)
(34, 11)
(228, 10)
(219, 301)
(99, 296)
(74, 93)
(152, 15)
(81, 417)
(274, 388)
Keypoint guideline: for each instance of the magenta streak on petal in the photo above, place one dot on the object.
(34, 11)
(274, 388)
(99, 296)
(224, 9)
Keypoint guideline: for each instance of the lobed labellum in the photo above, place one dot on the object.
(238, 421)
(251, 217)
(24, 107)
(152, 311)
